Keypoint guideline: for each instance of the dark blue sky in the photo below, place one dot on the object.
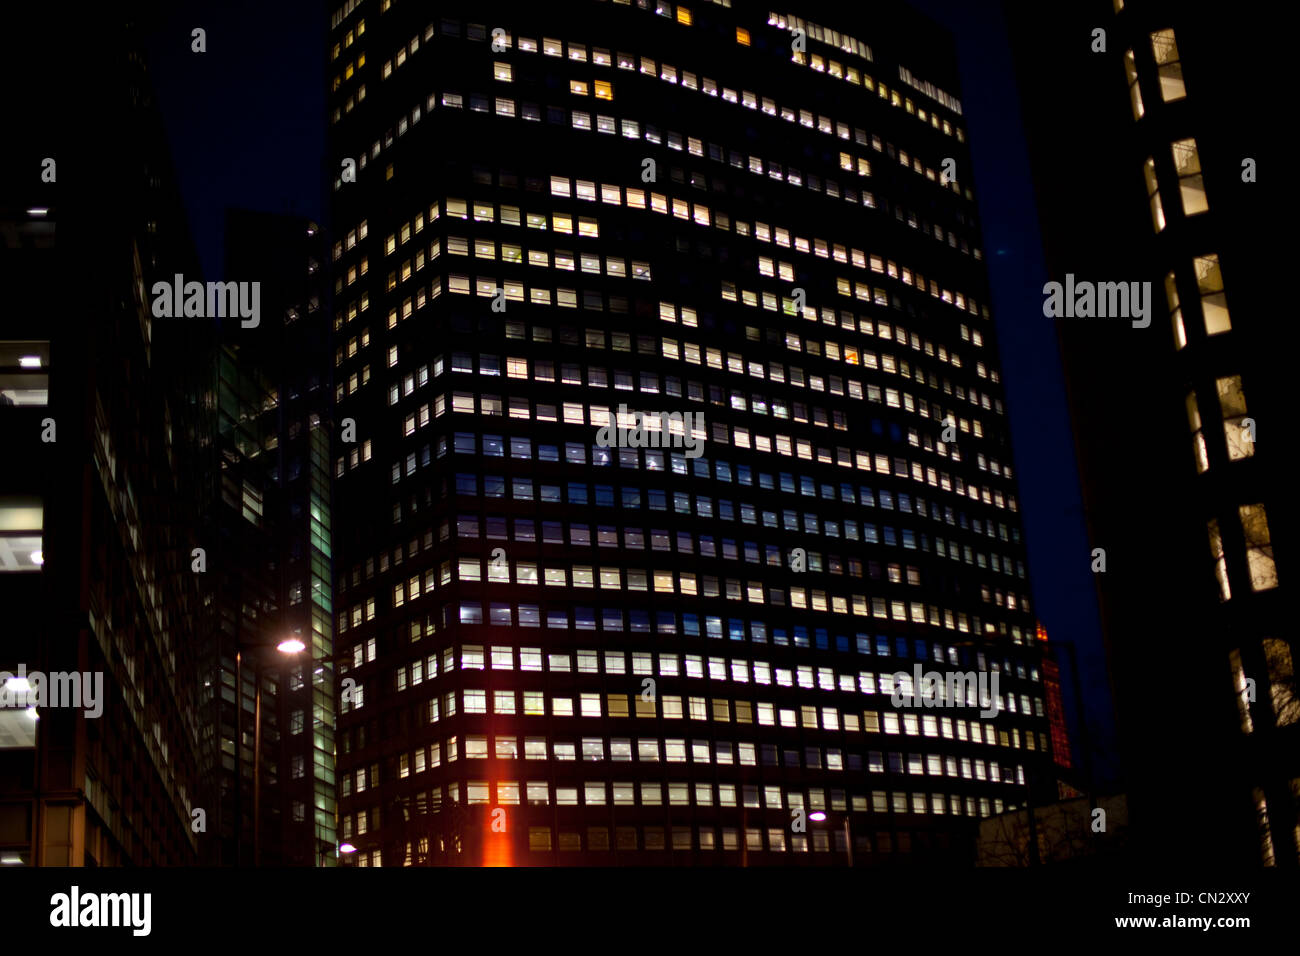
(247, 124)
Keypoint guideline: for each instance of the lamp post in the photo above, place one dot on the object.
(287, 647)
(819, 816)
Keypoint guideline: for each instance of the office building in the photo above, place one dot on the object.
(669, 428)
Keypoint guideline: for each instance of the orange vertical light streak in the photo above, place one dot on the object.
(498, 825)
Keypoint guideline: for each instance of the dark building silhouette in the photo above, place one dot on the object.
(270, 573)
(568, 642)
(1146, 155)
(97, 503)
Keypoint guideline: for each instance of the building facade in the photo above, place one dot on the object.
(670, 429)
(97, 510)
(1187, 508)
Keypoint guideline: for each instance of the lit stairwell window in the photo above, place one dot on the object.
(1168, 65)
(1259, 548)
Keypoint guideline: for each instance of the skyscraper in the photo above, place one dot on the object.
(1156, 182)
(670, 428)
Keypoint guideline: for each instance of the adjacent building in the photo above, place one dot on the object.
(1158, 182)
(98, 755)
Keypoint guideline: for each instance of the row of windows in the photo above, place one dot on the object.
(493, 446)
(670, 707)
(501, 657)
(723, 753)
(639, 620)
(528, 573)
(751, 591)
(525, 529)
(635, 538)
(609, 496)
(653, 750)
(596, 376)
(601, 793)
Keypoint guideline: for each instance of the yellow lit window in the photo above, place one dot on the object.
(1176, 313)
(604, 91)
(1153, 192)
(683, 15)
(1214, 303)
(1191, 184)
(742, 36)
(1237, 431)
(503, 71)
(1198, 436)
(1168, 65)
(1259, 548)
(578, 87)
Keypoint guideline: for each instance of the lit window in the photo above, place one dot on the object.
(604, 90)
(578, 87)
(742, 36)
(1236, 434)
(1259, 548)
(1198, 437)
(1153, 192)
(1191, 184)
(22, 522)
(24, 373)
(1176, 313)
(1214, 303)
(1170, 69)
(1134, 90)
(502, 71)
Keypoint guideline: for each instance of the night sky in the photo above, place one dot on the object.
(246, 121)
